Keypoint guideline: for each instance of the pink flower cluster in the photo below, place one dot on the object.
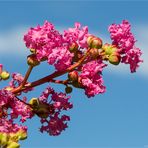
(91, 78)
(55, 124)
(125, 41)
(10, 109)
(76, 35)
(51, 45)
(7, 126)
(10, 104)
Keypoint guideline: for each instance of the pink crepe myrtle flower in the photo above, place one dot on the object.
(43, 39)
(9, 102)
(59, 100)
(91, 78)
(61, 58)
(49, 44)
(132, 57)
(124, 40)
(7, 126)
(55, 125)
(5, 97)
(77, 35)
(18, 108)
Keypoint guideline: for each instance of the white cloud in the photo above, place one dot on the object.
(11, 43)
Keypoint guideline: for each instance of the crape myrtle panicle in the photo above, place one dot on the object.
(77, 53)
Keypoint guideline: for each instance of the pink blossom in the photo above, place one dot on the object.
(55, 125)
(5, 97)
(132, 57)
(7, 126)
(91, 78)
(122, 36)
(61, 58)
(124, 40)
(77, 34)
(43, 39)
(45, 94)
(18, 108)
(61, 101)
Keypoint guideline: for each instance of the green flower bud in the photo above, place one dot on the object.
(109, 49)
(73, 76)
(32, 60)
(114, 58)
(68, 89)
(4, 75)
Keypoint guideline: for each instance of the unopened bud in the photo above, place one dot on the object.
(114, 58)
(94, 42)
(73, 76)
(73, 47)
(4, 75)
(32, 60)
(34, 102)
(109, 49)
(94, 53)
(78, 83)
(68, 89)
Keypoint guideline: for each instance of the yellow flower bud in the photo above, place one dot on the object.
(4, 75)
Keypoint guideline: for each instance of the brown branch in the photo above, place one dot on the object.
(51, 76)
(26, 76)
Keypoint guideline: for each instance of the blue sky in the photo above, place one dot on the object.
(118, 118)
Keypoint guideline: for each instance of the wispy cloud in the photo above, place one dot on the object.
(11, 43)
